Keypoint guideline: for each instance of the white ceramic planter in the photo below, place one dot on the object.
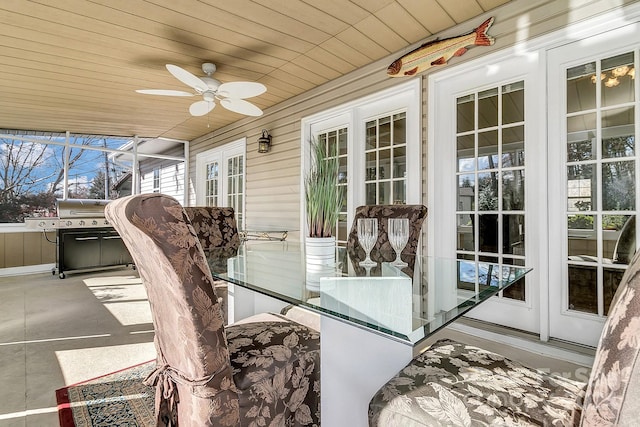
(320, 255)
(320, 250)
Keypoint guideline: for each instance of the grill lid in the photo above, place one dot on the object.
(81, 208)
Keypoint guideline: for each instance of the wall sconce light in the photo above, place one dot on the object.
(264, 142)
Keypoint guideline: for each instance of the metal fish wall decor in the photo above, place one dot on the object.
(439, 52)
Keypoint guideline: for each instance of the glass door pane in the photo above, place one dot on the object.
(335, 142)
(235, 186)
(600, 180)
(490, 161)
(211, 183)
(385, 160)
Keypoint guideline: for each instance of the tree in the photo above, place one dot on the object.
(33, 172)
(22, 166)
(16, 210)
(97, 189)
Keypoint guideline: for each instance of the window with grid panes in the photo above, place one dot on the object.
(235, 188)
(335, 142)
(156, 180)
(386, 160)
(211, 183)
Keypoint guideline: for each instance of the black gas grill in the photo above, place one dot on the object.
(84, 238)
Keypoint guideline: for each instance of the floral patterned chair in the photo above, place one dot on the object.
(218, 234)
(626, 243)
(215, 226)
(382, 251)
(456, 384)
(255, 373)
(624, 248)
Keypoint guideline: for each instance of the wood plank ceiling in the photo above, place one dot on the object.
(75, 64)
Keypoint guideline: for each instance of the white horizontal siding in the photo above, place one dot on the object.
(171, 181)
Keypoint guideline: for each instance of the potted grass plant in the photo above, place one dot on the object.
(323, 199)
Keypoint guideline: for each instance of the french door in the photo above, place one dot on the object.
(220, 176)
(377, 143)
(483, 180)
(593, 163)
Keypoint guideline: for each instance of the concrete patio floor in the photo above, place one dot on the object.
(57, 332)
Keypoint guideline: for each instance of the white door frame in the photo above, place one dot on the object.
(565, 324)
(444, 88)
(538, 48)
(221, 153)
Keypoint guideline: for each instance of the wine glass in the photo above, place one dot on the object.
(398, 237)
(367, 236)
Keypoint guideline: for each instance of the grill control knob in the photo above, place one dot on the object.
(41, 224)
(94, 222)
(69, 223)
(81, 222)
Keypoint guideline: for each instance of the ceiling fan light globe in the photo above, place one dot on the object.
(209, 96)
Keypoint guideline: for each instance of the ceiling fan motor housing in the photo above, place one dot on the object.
(209, 68)
(212, 84)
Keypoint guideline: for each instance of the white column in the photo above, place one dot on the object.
(247, 303)
(355, 363)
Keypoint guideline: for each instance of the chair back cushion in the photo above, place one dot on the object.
(383, 251)
(190, 338)
(215, 226)
(626, 243)
(218, 234)
(613, 394)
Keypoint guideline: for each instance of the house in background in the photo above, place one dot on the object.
(124, 185)
(160, 167)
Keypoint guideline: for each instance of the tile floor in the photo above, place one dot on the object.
(58, 332)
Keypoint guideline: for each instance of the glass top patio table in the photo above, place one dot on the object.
(383, 299)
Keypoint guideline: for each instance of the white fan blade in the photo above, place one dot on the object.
(200, 108)
(186, 77)
(164, 92)
(241, 90)
(241, 106)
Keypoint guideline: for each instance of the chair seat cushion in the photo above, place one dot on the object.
(276, 369)
(303, 315)
(457, 384)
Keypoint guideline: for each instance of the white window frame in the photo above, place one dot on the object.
(354, 115)
(156, 179)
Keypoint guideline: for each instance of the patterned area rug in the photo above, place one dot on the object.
(116, 399)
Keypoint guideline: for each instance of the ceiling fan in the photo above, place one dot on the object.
(230, 95)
